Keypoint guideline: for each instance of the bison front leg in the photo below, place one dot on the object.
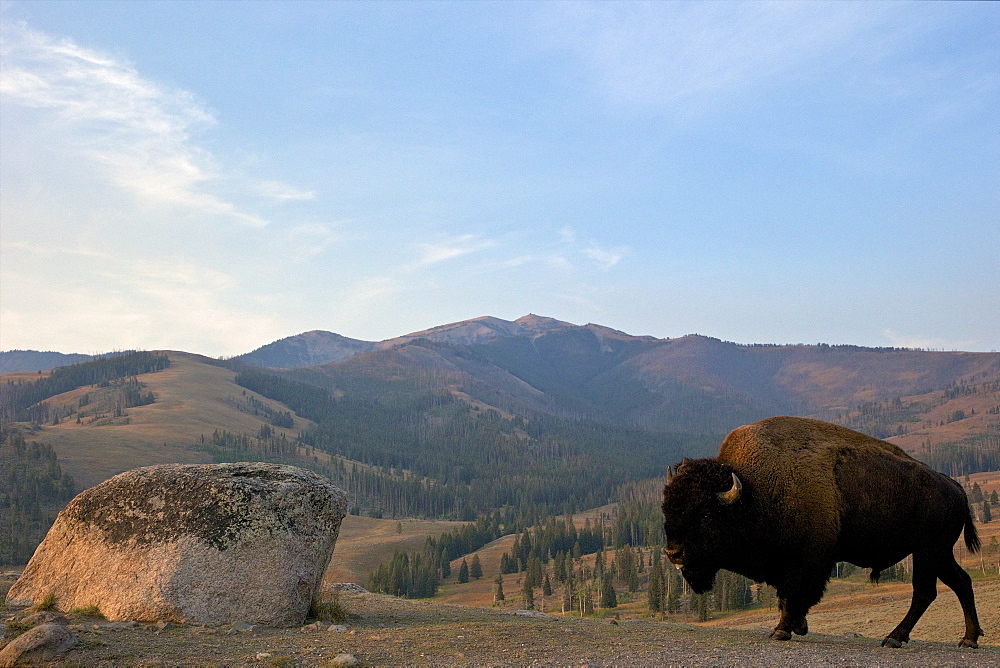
(795, 597)
(801, 589)
(793, 620)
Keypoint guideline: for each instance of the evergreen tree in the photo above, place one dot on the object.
(463, 572)
(655, 592)
(700, 602)
(445, 564)
(672, 583)
(559, 567)
(527, 595)
(987, 513)
(599, 565)
(534, 572)
(546, 586)
(476, 568)
(976, 495)
(498, 595)
(609, 599)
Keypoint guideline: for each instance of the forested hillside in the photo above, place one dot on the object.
(430, 453)
(33, 489)
(24, 401)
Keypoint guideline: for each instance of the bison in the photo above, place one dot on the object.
(787, 498)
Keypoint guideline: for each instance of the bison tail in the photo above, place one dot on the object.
(971, 536)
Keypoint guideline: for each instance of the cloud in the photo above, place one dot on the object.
(153, 303)
(433, 253)
(137, 132)
(282, 192)
(605, 258)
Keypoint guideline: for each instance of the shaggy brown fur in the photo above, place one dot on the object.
(807, 495)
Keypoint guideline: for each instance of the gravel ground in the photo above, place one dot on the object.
(385, 631)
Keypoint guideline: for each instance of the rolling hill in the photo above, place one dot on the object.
(535, 368)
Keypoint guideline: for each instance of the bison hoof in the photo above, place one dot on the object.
(801, 630)
(891, 642)
(965, 642)
(781, 634)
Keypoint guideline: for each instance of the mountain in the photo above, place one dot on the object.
(449, 420)
(691, 383)
(33, 360)
(309, 349)
(318, 347)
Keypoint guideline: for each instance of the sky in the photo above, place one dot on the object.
(213, 176)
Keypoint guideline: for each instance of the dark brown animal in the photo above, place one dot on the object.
(787, 498)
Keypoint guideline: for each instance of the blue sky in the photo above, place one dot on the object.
(214, 176)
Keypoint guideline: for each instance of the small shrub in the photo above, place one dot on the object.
(48, 602)
(89, 611)
(330, 609)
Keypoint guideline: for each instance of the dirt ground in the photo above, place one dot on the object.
(385, 631)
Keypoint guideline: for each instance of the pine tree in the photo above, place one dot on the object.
(609, 599)
(527, 595)
(476, 568)
(654, 594)
(445, 564)
(534, 572)
(546, 586)
(498, 595)
(463, 572)
(559, 567)
(599, 564)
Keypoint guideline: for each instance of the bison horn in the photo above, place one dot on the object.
(731, 496)
(670, 475)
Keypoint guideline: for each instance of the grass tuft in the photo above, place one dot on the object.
(330, 609)
(88, 611)
(48, 601)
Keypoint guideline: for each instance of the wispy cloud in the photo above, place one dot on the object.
(605, 258)
(138, 132)
(442, 251)
(283, 192)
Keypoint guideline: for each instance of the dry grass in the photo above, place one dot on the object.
(365, 542)
(193, 399)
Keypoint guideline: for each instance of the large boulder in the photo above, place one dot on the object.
(202, 544)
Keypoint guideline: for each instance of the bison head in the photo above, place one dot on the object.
(699, 505)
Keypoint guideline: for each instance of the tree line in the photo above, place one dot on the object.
(33, 488)
(23, 401)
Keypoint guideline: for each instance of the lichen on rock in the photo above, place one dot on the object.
(205, 544)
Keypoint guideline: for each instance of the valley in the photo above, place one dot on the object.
(533, 420)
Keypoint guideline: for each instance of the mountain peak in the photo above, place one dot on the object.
(540, 323)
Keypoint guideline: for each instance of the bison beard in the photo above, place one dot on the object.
(787, 498)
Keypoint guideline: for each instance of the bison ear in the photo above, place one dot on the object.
(731, 496)
(670, 475)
